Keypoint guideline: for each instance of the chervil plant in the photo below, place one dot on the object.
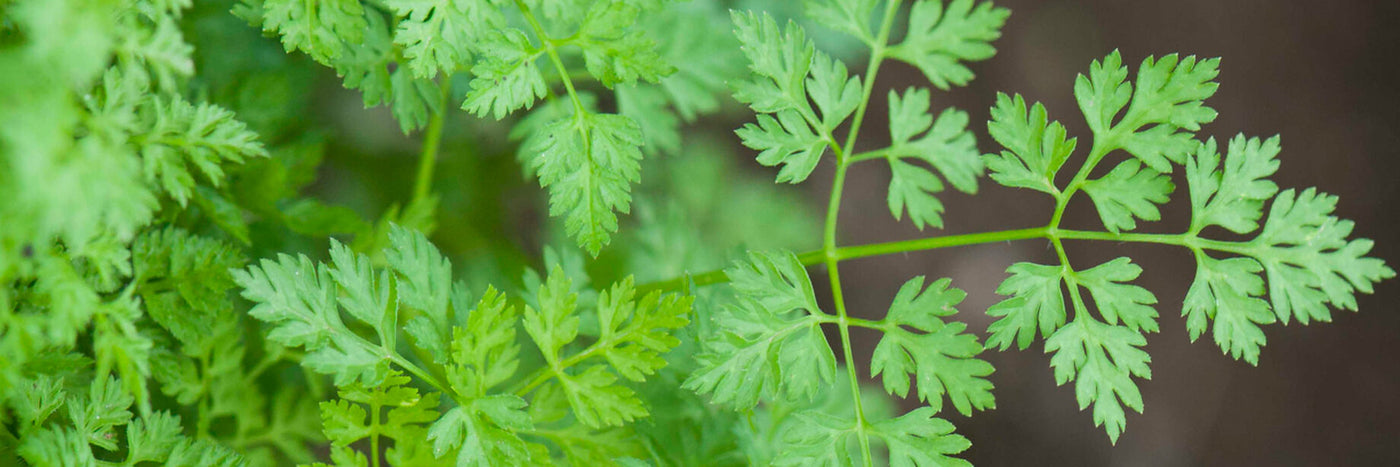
(182, 287)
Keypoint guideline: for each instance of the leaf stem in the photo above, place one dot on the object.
(427, 161)
(550, 50)
(829, 249)
(815, 257)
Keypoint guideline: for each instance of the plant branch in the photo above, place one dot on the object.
(423, 185)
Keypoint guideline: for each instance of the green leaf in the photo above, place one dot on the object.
(816, 438)
(1037, 301)
(1228, 292)
(424, 276)
(918, 438)
(848, 16)
(770, 341)
(1129, 191)
(96, 416)
(1169, 96)
(151, 438)
(1035, 147)
(1233, 195)
(298, 299)
(505, 78)
(1309, 262)
(635, 333)
(485, 432)
(836, 94)
(372, 67)
(781, 60)
(941, 356)
(615, 54)
(776, 280)
(589, 162)
(788, 141)
(437, 36)
(485, 350)
(1101, 359)
(1116, 298)
(946, 145)
(194, 281)
(940, 40)
(177, 138)
(319, 28)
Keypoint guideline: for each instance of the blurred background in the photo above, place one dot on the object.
(1321, 74)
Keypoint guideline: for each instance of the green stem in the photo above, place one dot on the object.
(872, 155)
(550, 50)
(374, 435)
(423, 185)
(815, 257)
(829, 249)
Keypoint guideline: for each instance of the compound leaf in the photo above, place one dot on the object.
(941, 39)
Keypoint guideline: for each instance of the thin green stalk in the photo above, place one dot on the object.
(829, 249)
(374, 435)
(815, 257)
(550, 50)
(427, 161)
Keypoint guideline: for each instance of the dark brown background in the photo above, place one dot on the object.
(1320, 73)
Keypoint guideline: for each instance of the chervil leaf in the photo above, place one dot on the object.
(1129, 191)
(151, 438)
(193, 273)
(506, 78)
(372, 67)
(705, 54)
(786, 140)
(848, 16)
(1116, 298)
(940, 40)
(178, 138)
(437, 35)
(485, 432)
(1233, 195)
(1228, 292)
(1101, 359)
(635, 333)
(781, 59)
(816, 438)
(776, 280)
(395, 411)
(589, 162)
(1169, 96)
(159, 52)
(836, 94)
(319, 28)
(917, 438)
(1035, 147)
(96, 416)
(613, 53)
(941, 357)
(485, 350)
(1310, 262)
(1037, 300)
(299, 300)
(424, 276)
(555, 322)
(947, 146)
(770, 341)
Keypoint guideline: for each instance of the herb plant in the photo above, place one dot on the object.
(176, 290)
